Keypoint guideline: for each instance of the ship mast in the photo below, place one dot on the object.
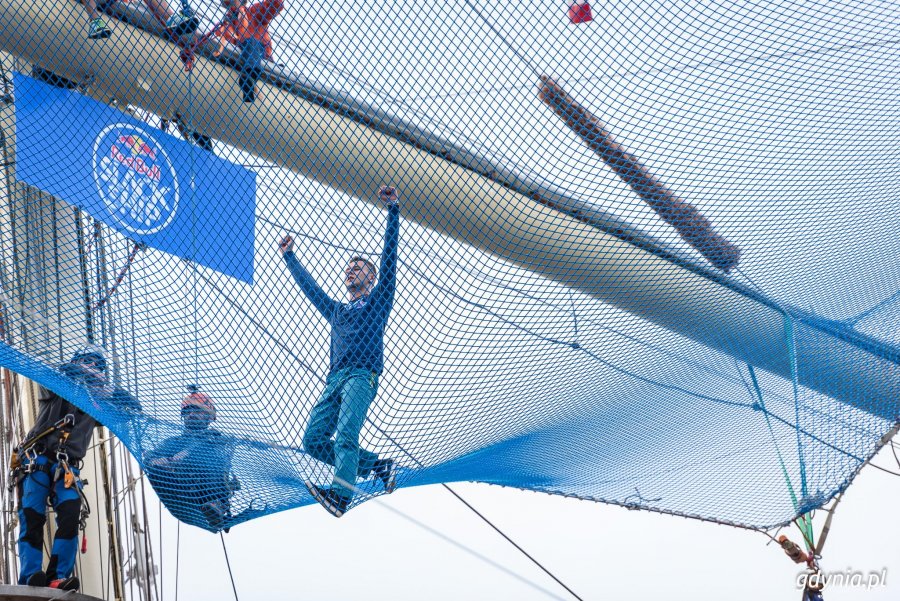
(53, 267)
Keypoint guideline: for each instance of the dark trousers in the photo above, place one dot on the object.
(250, 64)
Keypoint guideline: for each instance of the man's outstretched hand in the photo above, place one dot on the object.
(388, 195)
(286, 245)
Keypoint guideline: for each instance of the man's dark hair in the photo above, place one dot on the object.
(367, 262)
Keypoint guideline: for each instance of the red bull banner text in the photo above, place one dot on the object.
(150, 186)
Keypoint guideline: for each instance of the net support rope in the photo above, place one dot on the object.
(574, 266)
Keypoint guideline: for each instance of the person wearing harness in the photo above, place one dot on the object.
(192, 471)
(46, 465)
(357, 358)
(247, 27)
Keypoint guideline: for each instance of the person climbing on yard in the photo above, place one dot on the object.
(194, 137)
(46, 465)
(357, 358)
(192, 470)
(247, 27)
(178, 23)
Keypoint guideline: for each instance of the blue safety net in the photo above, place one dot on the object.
(647, 252)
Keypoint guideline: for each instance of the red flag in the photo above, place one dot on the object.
(580, 12)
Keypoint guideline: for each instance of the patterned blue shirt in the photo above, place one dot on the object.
(357, 328)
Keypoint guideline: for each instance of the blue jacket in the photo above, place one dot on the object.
(357, 328)
(203, 473)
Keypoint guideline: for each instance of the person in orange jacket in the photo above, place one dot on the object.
(247, 27)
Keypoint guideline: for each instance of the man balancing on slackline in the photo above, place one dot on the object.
(357, 357)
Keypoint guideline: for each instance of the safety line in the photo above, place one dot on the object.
(511, 541)
(228, 563)
(464, 502)
(177, 554)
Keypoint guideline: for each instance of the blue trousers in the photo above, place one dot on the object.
(252, 54)
(341, 412)
(36, 488)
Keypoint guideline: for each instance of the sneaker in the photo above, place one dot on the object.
(39, 578)
(182, 23)
(66, 584)
(97, 30)
(334, 503)
(385, 471)
(214, 513)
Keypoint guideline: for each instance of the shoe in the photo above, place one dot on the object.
(385, 471)
(214, 513)
(39, 578)
(250, 94)
(97, 30)
(65, 584)
(182, 23)
(334, 503)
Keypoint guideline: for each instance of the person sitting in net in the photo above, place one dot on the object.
(46, 465)
(357, 358)
(191, 472)
(247, 27)
(182, 22)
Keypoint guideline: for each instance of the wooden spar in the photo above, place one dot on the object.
(690, 223)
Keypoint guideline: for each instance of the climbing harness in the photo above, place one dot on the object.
(24, 462)
(24, 455)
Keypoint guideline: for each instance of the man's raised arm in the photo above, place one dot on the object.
(387, 280)
(324, 303)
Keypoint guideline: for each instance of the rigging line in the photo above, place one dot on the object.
(283, 346)
(820, 412)
(876, 307)
(512, 542)
(500, 35)
(678, 68)
(791, 341)
(177, 552)
(804, 522)
(479, 514)
(814, 437)
(576, 346)
(228, 563)
(379, 91)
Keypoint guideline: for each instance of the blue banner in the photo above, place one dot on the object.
(148, 185)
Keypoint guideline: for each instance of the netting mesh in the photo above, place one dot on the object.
(647, 259)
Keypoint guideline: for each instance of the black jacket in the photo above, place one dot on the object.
(52, 408)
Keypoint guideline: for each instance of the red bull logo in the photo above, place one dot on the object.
(135, 179)
(136, 163)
